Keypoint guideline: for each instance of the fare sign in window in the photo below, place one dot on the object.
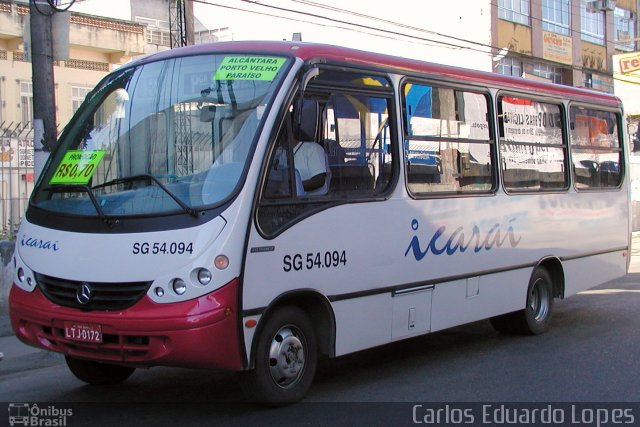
(77, 167)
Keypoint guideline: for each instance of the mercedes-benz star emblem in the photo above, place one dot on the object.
(84, 293)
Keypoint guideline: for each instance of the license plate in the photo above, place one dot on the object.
(83, 332)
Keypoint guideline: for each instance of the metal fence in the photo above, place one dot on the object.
(16, 174)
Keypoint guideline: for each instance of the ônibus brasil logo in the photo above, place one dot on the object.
(27, 414)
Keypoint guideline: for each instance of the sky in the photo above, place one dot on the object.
(403, 30)
(118, 9)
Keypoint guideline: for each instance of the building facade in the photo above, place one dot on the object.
(569, 42)
(96, 46)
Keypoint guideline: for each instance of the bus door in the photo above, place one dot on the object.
(343, 243)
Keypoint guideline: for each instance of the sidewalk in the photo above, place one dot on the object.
(5, 326)
(634, 266)
(17, 356)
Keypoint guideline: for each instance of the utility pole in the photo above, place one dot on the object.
(44, 100)
(181, 23)
(181, 32)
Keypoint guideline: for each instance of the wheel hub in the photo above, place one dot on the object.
(286, 357)
(539, 300)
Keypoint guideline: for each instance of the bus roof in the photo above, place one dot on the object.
(316, 52)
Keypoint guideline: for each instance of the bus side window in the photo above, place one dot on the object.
(351, 130)
(278, 183)
(280, 203)
(359, 145)
(596, 147)
(312, 173)
(533, 150)
(449, 147)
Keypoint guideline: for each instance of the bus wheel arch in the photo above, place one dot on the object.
(554, 266)
(545, 284)
(319, 310)
(293, 333)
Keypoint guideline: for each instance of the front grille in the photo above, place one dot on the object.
(103, 296)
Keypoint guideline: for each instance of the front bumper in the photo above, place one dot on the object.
(200, 333)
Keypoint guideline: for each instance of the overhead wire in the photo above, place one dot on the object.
(54, 7)
(368, 27)
(35, 4)
(387, 21)
(413, 28)
(376, 31)
(386, 33)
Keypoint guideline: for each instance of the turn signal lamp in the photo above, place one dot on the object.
(221, 262)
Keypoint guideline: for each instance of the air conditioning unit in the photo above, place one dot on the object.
(601, 5)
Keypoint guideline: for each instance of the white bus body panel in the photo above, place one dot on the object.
(105, 257)
(453, 305)
(362, 323)
(382, 243)
(585, 273)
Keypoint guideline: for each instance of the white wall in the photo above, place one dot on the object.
(118, 9)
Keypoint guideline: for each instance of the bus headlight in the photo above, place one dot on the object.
(179, 286)
(204, 276)
(20, 275)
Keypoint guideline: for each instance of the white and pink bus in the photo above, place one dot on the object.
(255, 206)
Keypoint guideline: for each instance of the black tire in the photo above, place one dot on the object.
(535, 318)
(98, 373)
(286, 358)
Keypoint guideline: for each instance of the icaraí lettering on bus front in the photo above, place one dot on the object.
(457, 241)
(32, 242)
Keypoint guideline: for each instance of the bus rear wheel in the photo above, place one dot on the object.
(535, 318)
(98, 373)
(285, 360)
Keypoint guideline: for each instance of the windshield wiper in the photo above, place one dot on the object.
(143, 176)
(59, 188)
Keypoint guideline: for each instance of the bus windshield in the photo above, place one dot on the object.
(170, 136)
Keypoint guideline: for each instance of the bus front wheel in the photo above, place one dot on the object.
(97, 373)
(535, 318)
(285, 359)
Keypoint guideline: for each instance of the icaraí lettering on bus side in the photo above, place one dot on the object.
(458, 241)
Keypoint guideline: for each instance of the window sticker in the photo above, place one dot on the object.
(77, 167)
(249, 68)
